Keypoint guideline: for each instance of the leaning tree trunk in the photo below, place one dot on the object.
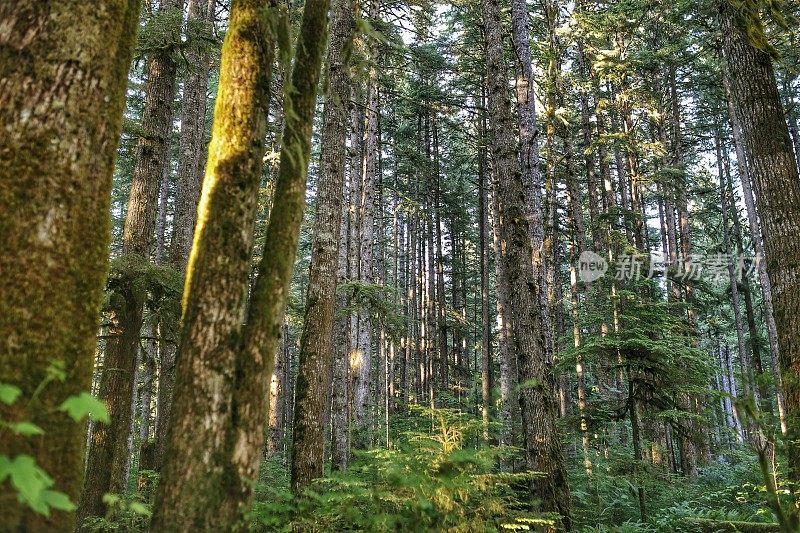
(773, 171)
(538, 405)
(224, 368)
(62, 94)
(191, 491)
(106, 469)
(191, 163)
(316, 341)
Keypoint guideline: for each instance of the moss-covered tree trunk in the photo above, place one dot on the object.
(774, 175)
(224, 368)
(106, 469)
(62, 93)
(316, 341)
(542, 443)
(194, 485)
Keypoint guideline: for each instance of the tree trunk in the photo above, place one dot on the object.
(576, 249)
(538, 405)
(277, 397)
(316, 341)
(62, 95)
(758, 246)
(191, 155)
(109, 449)
(441, 313)
(486, 327)
(191, 167)
(733, 275)
(773, 169)
(224, 371)
(528, 142)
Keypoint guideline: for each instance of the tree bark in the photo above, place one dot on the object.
(192, 150)
(224, 368)
(529, 144)
(341, 379)
(773, 169)
(542, 443)
(191, 166)
(758, 246)
(316, 341)
(106, 469)
(62, 95)
(483, 232)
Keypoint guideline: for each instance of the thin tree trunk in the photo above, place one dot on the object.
(277, 397)
(191, 167)
(637, 445)
(363, 365)
(486, 328)
(733, 276)
(191, 152)
(109, 450)
(316, 342)
(576, 249)
(441, 316)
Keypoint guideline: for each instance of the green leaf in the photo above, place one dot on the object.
(56, 371)
(110, 499)
(5, 467)
(9, 393)
(83, 405)
(140, 509)
(58, 500)
(26, 429)
(29, 480)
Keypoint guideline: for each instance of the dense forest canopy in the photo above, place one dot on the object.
(333, 265)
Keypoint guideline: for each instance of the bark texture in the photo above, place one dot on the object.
(773, 171)
(224, 368)
(192, 156)
(537, 401)
(316, 341)
(62, 94)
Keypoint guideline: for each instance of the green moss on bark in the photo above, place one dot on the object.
(63, 73)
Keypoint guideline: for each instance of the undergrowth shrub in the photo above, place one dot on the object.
(428, 482)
